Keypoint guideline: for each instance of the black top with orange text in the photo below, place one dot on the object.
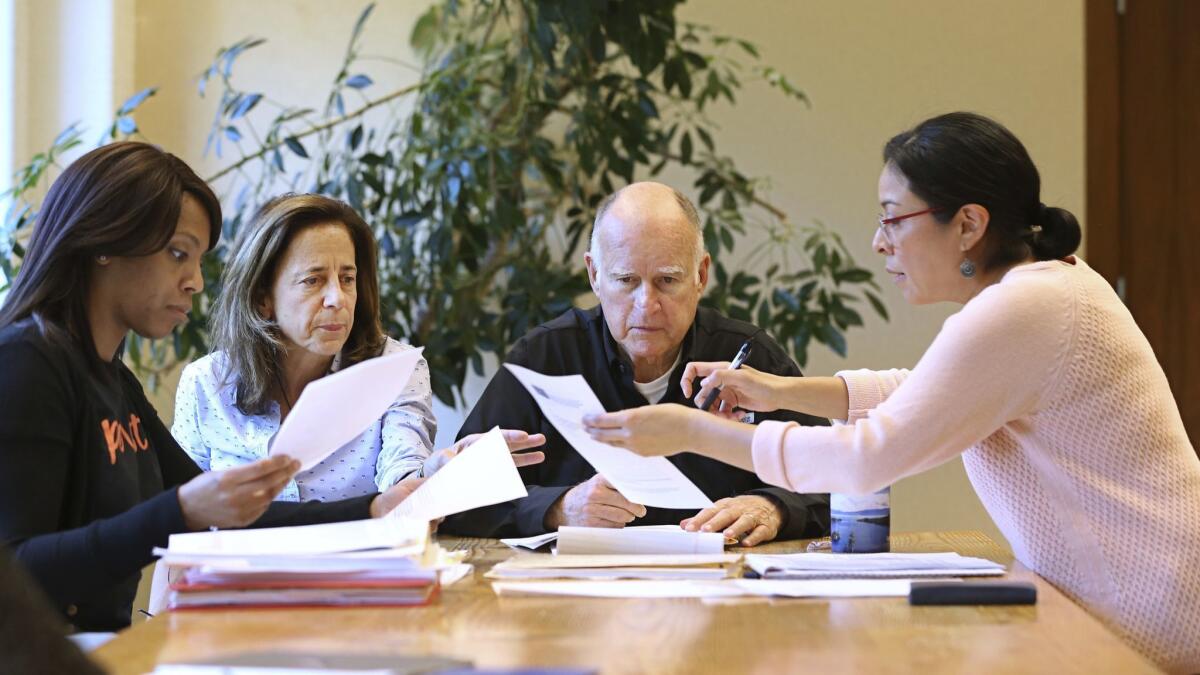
(88, 477)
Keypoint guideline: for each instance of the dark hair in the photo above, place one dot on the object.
(251, 341)
(963, 158)
(120, 200)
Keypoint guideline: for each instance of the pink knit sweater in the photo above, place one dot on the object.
(1069, 433)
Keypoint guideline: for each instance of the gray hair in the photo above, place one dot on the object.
(250, 341)
(685, 206)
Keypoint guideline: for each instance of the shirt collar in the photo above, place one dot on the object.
(616, 357)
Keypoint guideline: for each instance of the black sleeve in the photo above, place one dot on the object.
(805, 515)
(280, 514)
(37, 418)
(178, 468)
(506, 404)
(32, 636)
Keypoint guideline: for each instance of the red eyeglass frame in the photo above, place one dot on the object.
(895, 219)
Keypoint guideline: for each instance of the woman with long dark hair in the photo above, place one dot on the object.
(299, 300)
(1042, 382)
(90, 479)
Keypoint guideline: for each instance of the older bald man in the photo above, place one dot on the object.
(647, 265)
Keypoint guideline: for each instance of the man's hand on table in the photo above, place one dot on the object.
(751, 519)
(593, 503)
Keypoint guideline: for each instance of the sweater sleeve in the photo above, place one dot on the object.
(37, 416)
(869, 388)
(963, 390)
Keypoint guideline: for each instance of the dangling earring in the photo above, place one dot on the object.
(967, 268)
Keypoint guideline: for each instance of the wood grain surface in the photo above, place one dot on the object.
(667, 636)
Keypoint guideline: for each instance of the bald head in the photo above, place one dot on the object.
(652, 208)
(648, 268)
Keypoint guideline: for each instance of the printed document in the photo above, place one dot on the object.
(480, 475)
(335, 409)
(650, 481)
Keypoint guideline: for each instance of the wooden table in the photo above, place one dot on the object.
(682, 636)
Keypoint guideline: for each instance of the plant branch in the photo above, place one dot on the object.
(750, 194)
(316, 129)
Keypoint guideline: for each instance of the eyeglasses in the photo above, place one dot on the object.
(885, 224)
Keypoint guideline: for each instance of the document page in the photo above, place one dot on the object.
(833, 565)
(356, 535)
(650, 481)
(334, 409)
(482, 474)
(670, 588)
(652, 539)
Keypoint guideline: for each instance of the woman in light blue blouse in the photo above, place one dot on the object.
(300, 299)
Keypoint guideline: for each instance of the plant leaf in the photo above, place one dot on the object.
(296, 146)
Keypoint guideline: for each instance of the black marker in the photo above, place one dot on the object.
(742, 355)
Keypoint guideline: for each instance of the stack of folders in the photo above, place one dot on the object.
(380, 562)
(870, 565)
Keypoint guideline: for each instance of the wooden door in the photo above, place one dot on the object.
(1143, 175)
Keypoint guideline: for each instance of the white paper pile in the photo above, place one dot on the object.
(649, 539)
(708, 589)
(606, 567)
(869, 565)
(380, 561)
(367, 562)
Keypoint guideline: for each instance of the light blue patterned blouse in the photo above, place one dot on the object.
(218, 436)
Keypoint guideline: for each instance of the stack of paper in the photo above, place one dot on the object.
(868, 565)
(718, 566)
(368, 562)
(708, 589)
(643, 539)
(382, 561)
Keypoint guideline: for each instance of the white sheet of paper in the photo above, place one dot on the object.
(544, 561)
(482, 474)
(827, 565)
(668, 539)
(378, 560)
(620, 589)
(198, 669)
(650, 481)
(539, 540)
(603, 573)
(335, 409)
(826, 588)
(532, 543)
(356, 535)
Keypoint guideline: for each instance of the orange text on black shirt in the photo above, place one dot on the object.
(120, 437)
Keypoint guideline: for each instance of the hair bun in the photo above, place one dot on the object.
(1055, 233)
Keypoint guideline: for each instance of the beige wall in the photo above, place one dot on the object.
(870, 68)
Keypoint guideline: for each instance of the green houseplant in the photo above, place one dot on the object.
(527, 113)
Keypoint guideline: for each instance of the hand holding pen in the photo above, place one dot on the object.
(735, 385)
(738, 360)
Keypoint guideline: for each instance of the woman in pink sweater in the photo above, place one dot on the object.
(1042, 382)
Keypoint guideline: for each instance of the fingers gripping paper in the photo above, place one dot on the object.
(481, 475)
(335, 409)
(651, 481)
